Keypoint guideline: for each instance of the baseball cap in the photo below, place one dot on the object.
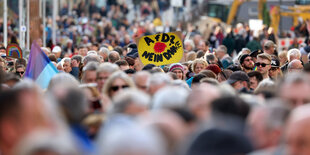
(255, 53)
(238, 76)
(56, 49)
(275, 62)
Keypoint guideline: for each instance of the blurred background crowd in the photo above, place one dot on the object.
(234, 91)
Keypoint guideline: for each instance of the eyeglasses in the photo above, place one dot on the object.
(261, 64)
(19, 72)
(116, 88)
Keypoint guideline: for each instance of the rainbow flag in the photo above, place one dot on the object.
(255, 68)
(40, 68)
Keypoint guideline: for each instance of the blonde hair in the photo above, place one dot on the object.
(198, 61)
(113, 77)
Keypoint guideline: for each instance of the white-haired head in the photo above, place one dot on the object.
(293, 54)
(170, 97)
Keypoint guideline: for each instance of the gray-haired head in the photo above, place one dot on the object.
(62, 80)
(47, 142)
(129, 97)
(170, 98)
(159, 78)
(104, 50)
(129, 139)
(107, 67)
(91, 58)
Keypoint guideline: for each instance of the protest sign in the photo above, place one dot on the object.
(14, 51)
(160, 49)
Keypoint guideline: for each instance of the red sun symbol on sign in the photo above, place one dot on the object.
(159, 47)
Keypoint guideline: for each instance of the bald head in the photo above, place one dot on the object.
(295, 65)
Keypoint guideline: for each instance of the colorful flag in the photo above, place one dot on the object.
(40, 68)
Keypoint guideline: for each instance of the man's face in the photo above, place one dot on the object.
(141, 83)
(296, 93)
(83, 51)
(263, 65)
(248, 63)
(67, 67)
(101, 79)
(253, 83)
(298, 138)
(89, 77)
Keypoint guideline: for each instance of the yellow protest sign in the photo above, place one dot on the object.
(160, 49)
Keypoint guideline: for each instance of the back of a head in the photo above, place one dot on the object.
(130, 96)
(9, 105)
(170, 98)
(74, 104)
(222, 48)
(91, 66)
(91, 58)
(231, 106)
(159, 78)
(113, 56)
(107, 67)
(62, 80)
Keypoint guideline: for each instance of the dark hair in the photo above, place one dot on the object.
(200, 54)
(258, 75)
(52, 57)
(234, 68)
(208, 74)
(172, 75)
(9, 105)
(121, 63)
(119, 50)
(78, 58)
(197, 78)
(130, 71)
(231, 106)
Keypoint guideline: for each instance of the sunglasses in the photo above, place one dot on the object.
(116, 88)
(274, 68)
(19, 72)
(261, 64)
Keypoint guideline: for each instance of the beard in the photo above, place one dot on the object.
(248, 67)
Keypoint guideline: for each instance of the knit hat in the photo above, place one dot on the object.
(214, 68)
(176, 66)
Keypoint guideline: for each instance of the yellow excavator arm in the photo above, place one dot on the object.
(235, 6)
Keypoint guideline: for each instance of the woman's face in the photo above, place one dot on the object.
(117, 86)
(199, 67)
(179, 73)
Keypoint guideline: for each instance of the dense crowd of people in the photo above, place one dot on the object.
(232, 93)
